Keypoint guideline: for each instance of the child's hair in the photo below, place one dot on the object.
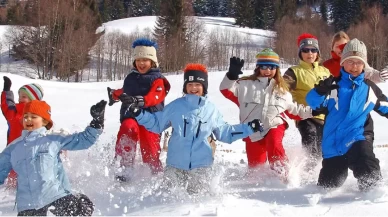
(281, 85)
(338, 36)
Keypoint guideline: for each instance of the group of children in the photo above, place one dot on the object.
(339, 129)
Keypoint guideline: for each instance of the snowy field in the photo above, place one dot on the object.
(90, 171)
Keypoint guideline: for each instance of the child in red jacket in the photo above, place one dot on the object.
(13, 112)
(147, 86)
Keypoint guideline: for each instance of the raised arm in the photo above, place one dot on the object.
(8, 105)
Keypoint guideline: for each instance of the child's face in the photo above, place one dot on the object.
(336, 49)
(143, 65)
(309, 54)
(353, 66)
(267, 70)
(194, 88)
(32, 121)
(23, 97)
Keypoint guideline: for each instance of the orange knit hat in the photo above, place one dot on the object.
(40, 108)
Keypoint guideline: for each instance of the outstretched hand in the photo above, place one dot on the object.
(97, 111)
(235, 66)
(7, 83)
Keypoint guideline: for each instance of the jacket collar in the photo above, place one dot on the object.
(350, 80)
(195, 101)
(306, 65)
(35, 133)
(335, 57)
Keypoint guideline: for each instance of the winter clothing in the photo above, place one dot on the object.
(311, 133)
(360, 158)
(195, 73)
(258, 99)
(7, 83)
(70, 205)
(34, 157)
(40, 108)
(355, 49)
(235, 67)
(193, 118)
(98, 112)
(13, 113)
(302, 79)
(148, 91)
(372, 74)
(33, 91)
(346, 124)
(267, 57)
(305, 40)
(325, 86)
(144, 48)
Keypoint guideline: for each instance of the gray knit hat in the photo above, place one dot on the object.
(355, 49)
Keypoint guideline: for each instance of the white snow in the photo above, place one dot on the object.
(262, 194)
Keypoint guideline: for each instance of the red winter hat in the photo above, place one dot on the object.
(40, 108)
(195, 72)
(307, 39)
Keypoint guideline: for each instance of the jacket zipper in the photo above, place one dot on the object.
(199, 127)
(184, 127)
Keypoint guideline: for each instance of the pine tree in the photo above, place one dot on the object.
(323, 8)
(200, 7)
(245, 13)
(341, 15)
(384, 4)
(223, 8)
(264, 14)
(212, 7)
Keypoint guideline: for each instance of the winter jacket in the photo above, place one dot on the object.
(152, 86)
(13, 113)
(348, 111)
(193, 119)
(35, 158)
(302, 79)
(258, 100)
(334, 67)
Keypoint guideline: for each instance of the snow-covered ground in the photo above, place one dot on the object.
(90, 170)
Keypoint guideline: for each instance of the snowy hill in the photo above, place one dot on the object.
(90, 170)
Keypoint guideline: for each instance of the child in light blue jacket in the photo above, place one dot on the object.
(193, 119)
(34, 156)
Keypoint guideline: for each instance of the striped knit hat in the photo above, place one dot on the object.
(33, 91)
(267, 57)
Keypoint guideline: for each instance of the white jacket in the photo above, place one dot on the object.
(257, 101)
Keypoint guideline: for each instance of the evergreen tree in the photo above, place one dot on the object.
(323, 7)
(245, 13)
(341, 15)
(212, 7)
(384, 4)
(264, 14)
(223, 8)
(285, 7)
(200, 7)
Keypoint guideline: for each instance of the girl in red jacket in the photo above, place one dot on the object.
(13, 112)
(264, 95)
(146, 86)
(337, 46)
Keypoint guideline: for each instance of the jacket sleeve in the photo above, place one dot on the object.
(116, 94)
(229, 89)
(381, 105)
(297, 111)
(314, 100)
(8, 106)
(156, 94)
(5, 163)
(80, 141)
(373, 75)
(230, 133)
(156, 122)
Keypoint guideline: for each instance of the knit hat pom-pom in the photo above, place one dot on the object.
(144, 42)
(304, 36)
(195, 67)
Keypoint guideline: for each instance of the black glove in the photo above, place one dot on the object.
(132, 111)
(110, 95)
(256, 125)
(325, 86)
(129, 100)
(235, 66)
(7, 84)
(97, 111)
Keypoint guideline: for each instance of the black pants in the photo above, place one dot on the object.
(360, 158)
(70, 205)
(311, 132)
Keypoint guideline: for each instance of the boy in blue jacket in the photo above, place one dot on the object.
(34, 156)
(348, 131)
(193, 119)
